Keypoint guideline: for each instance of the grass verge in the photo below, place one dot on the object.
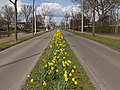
(115, 44)
(34, 81)
(13, 42)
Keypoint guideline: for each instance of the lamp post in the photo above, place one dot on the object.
(82, 19)
(35, 23)
(33, 18)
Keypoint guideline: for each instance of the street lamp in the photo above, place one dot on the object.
(33, 18)
(82, 19)
(35, 23)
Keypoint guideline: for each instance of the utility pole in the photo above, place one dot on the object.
(33, 18)
(69, 23)
(94, 4)
(82, 18)
(35, 23)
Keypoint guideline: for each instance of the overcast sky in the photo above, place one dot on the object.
(56, 6)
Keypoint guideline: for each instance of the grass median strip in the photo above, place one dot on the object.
(107, 41)
(58, 69)
(13, 42)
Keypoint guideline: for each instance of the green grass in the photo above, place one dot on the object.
(83, 81)
(106, 41)
(13, 42)
(110, 34)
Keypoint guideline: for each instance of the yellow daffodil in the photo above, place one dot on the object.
(31, 80)
(74, 67)
(65, 53)
(70, 74)
(28, 76)
(75, 82)
(50, 46)
(73, 79)
(66, 79)
(72, 71)
(57, 70)
(52, 68)
(49, 72)
(44, 83)
(64, 57)
(69, 61)
(46, 65)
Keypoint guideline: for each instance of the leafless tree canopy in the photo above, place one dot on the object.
(45, 10)
(26, 11)
(8, 13)
(107, 12)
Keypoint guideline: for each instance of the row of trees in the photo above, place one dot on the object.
(10, 15)
(99, 16)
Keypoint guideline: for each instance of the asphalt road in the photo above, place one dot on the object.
(17, 61)
(101, 63)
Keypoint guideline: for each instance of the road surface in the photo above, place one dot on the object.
(101, 63)
(17, 61)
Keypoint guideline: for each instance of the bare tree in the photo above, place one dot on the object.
(45, 11)
(15, 10)
(87, 11)
(26, 12)
(8, 13)
(102, 8)
(66, 16)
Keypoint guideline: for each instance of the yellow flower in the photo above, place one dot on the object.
(73, 79)
(69, 61)
(65, 52)
(75, 82)
(63, 63)
(57, 70)
(50, 63)
(46, 65)
(63, 57)
(52, 68)
(49, 72)
(70, 74)
(68, 64)
(44, 83)
(53, 61)
(72, 70)
(74, 67)
(66, 72)
(28, 76)
(31, 80)
(66, 79)
(58, 57)
(50, 46)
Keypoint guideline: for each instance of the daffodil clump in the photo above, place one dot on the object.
(58, 71)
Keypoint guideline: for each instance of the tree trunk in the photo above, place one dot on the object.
(16, 38)
(8, 29)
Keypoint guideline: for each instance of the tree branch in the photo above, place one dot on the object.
(12, 2)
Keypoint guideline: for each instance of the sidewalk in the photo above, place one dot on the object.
(106, 36)
(7, 39)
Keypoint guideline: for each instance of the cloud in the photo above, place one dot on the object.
(57, 9)
(69, 9)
